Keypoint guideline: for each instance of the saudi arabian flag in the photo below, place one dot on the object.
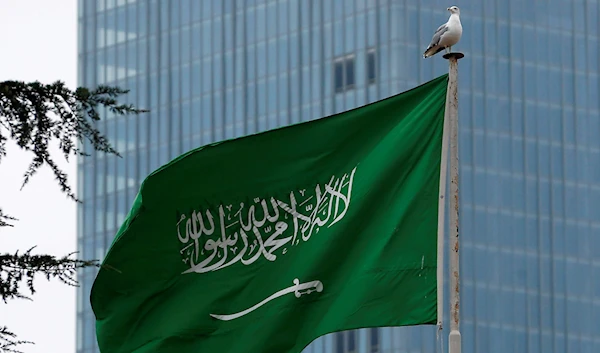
(263, 243)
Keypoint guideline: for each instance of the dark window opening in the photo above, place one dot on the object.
(346, 342)
(374, 340)
(351, 341)
(350, 81)
(339, 343)
(339, 76)
(344, 73)
(371, 66)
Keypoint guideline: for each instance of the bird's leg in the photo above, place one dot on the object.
(449, 49)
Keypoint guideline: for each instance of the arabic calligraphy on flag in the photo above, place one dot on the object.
(267, 228)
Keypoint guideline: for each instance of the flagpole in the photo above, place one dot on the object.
(454, 338)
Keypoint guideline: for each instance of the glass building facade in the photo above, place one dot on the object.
(529, 126)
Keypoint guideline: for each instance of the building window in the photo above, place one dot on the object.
(346, 342)
(343, 70)
(351, 341)
(374, 340)
(371, 66)
(339, 343)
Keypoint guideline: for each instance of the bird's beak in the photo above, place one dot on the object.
(448, 9)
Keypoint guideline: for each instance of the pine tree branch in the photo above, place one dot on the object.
(4, 218)
(18, 268)
(9, 341)
(34, 114)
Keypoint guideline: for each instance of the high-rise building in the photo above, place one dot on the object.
(529, 123)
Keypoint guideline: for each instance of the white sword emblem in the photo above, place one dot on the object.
(313, 286)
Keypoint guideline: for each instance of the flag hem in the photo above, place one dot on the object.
(441, 220)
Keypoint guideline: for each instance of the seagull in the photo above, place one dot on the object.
(446, 35)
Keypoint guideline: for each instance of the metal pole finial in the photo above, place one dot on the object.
(456, 54)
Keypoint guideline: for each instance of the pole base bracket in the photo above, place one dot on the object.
(454, 342)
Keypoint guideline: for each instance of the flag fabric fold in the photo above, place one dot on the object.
(266, 242)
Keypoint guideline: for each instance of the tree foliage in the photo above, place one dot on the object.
(18, 268)
(9, 341)
(4, 219)
(34, 116)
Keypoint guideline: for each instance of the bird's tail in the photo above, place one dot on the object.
(428, 52)
(431, 51)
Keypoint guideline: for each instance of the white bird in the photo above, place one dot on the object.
(446, 35)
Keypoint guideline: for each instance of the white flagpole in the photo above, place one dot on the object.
(454, 339)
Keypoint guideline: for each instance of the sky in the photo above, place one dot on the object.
(39, 42)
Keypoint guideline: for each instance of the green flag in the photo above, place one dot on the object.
(266, 242)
